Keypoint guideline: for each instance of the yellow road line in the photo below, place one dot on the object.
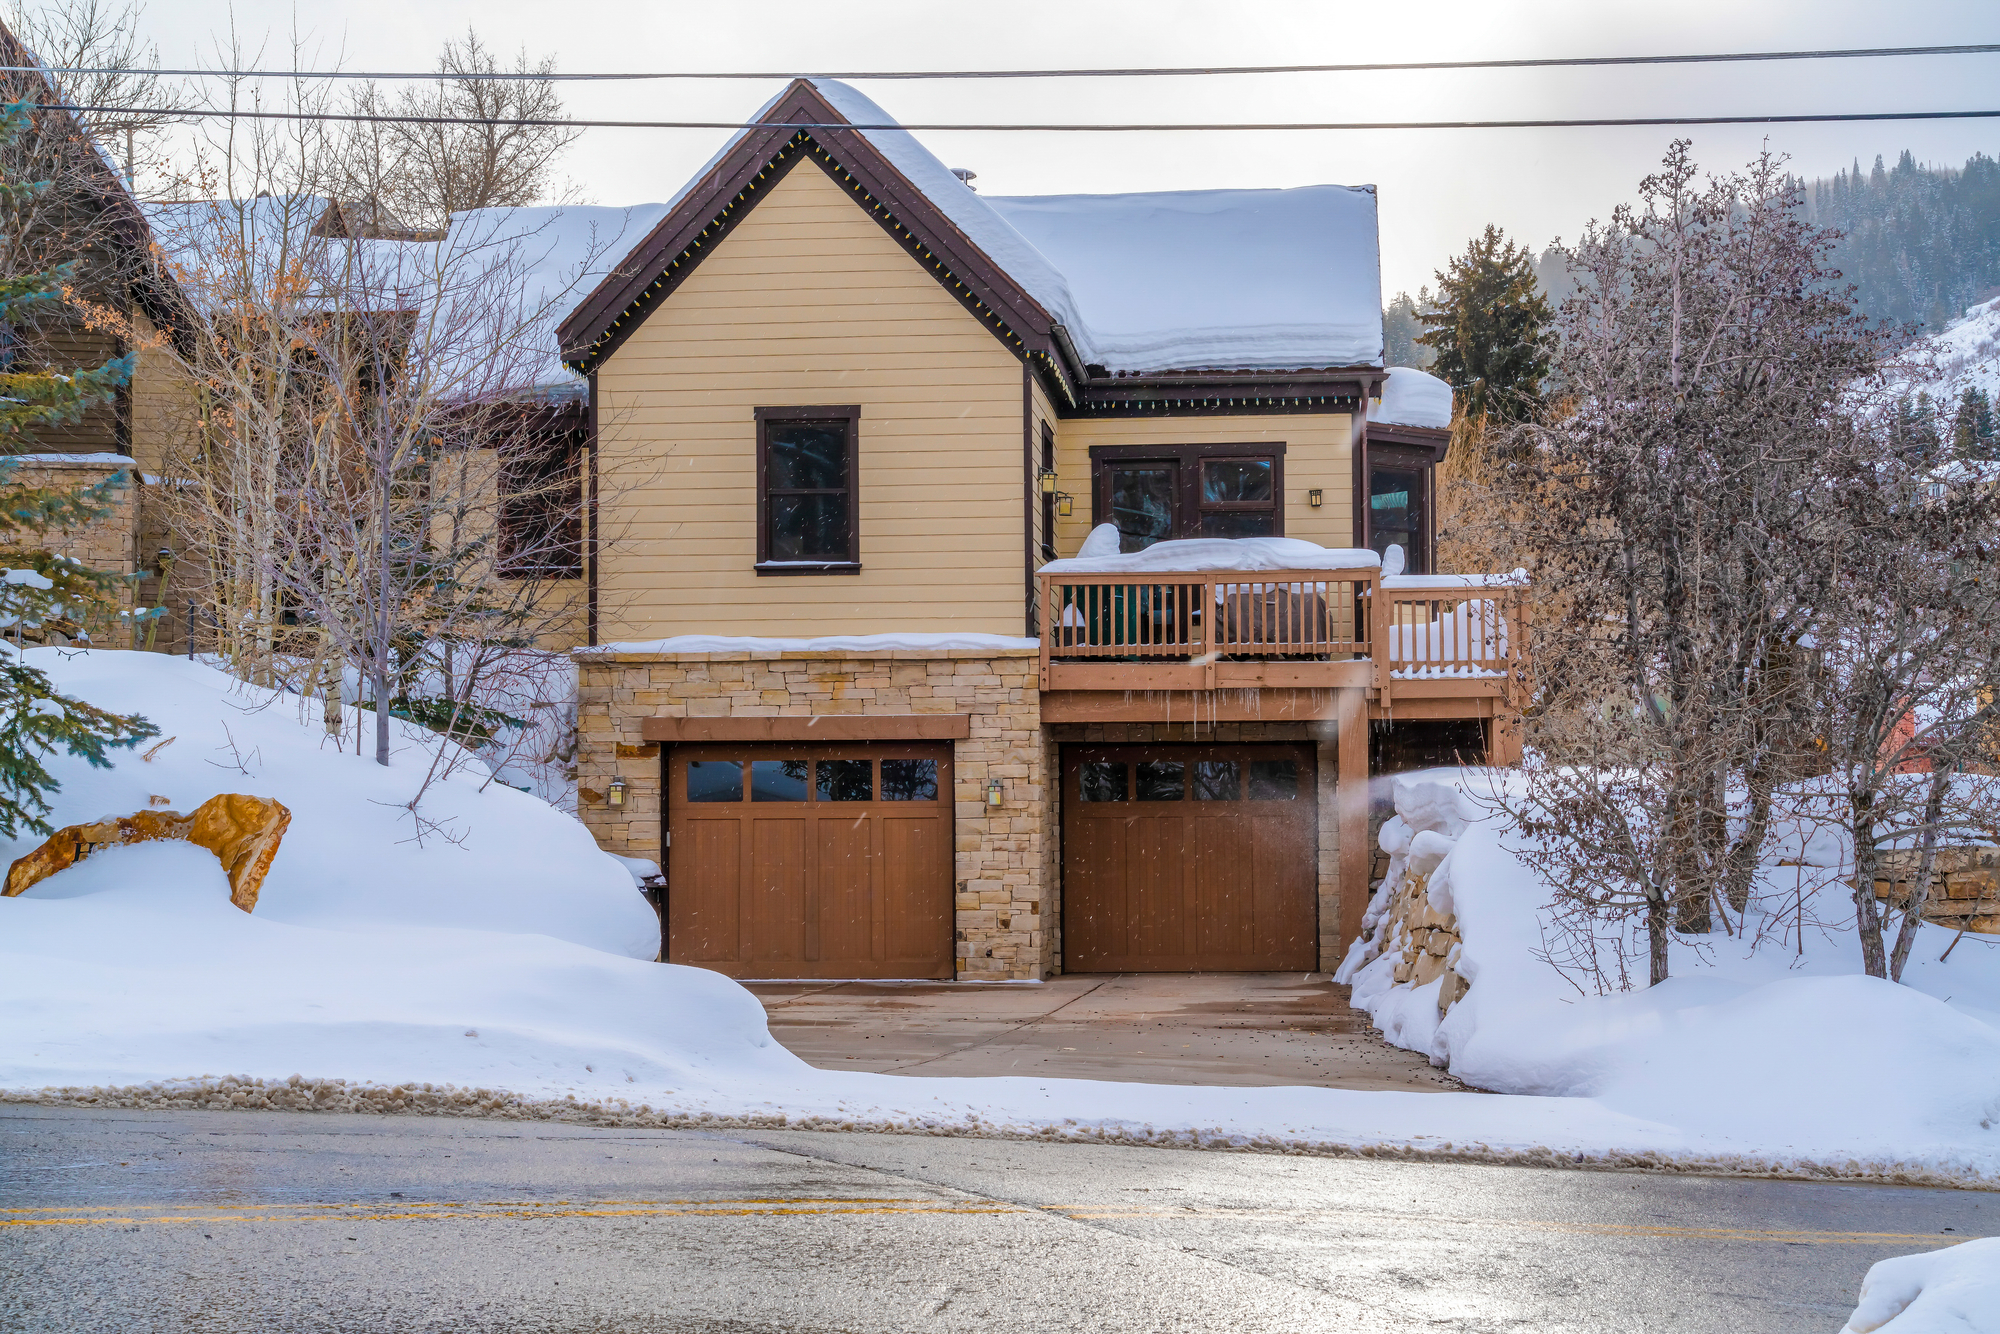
(791, 1206)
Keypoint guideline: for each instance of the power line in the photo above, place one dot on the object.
(1045, 127)
(1550, 62)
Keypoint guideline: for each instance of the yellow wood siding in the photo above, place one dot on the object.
(1318, 453)
(808, 302)
(164, 407)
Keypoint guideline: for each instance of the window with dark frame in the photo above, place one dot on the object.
(1158, 493)
(541, 507)
(807, 464)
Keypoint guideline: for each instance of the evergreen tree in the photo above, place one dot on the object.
(1972, 433)
(1916, 431)
(1490, 327)
(1402, 326)
(39, 588)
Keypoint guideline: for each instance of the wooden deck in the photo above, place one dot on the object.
(1279, 646)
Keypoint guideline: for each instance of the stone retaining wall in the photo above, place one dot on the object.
(1965, 888)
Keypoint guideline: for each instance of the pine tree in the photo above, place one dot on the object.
(1972, 432)
(38, 587)
(1489, 328)
(1402, 326)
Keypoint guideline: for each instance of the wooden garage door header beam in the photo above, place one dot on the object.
(824, 727)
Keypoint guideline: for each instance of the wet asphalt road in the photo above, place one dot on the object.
(274, 1221)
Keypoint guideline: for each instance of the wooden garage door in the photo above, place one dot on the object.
(810, 861)
(1189, 858)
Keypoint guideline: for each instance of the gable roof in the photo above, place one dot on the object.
(1191, 284)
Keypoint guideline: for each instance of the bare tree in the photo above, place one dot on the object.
(421, 169)
(1668, 509)
(1904, 709)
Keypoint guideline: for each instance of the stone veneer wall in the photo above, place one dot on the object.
(1003, 855)
(1326, 765)
(108, 543)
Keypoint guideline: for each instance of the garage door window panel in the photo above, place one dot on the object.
(715, 780)
(777, 780)
(1102, 781)
(909, 780)
(1162, 780)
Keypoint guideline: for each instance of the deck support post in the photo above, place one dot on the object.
(1351, 810)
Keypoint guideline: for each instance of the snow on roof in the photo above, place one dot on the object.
(1197, 554)
(903, 641)
(513, 274)
(1411, 397)
(1224, 279)
(1212, 279)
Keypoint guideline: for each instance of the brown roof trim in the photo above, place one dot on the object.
(714, 204)
(826, 728)
(1247, 393)
(1434, 440)
(156, 291)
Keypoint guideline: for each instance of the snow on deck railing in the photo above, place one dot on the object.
(1423, 627)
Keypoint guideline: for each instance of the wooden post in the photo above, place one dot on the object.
(1351, 810)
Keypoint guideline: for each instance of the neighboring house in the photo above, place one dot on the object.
(853, 675)
(89, 218)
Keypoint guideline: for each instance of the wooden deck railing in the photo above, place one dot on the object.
(1299, 628)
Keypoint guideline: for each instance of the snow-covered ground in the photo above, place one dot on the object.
(1952, 1291)
(1785, 1050)
(504, 956)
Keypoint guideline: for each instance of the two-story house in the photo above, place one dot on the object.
(854, 676)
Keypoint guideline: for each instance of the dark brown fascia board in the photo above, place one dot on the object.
(1434, 440)
(721, 198)
(826, 729)
(1248, 393)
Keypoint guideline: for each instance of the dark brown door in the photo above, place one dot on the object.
(1190, 858)
(810, 861)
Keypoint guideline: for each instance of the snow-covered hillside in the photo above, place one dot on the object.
(1966, 355)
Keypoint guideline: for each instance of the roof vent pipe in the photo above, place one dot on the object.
(967, 175)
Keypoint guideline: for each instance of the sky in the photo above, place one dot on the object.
(1436, 188)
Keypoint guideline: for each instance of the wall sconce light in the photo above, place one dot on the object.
(1315, 497)
(992, 792)
(1048, 480)
(617, 792)
(1064, 503)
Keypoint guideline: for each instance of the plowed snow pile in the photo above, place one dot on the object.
(505, 956)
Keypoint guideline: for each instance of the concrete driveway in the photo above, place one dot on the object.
(1155, 1028)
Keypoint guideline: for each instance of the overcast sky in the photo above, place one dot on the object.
(1436, 188)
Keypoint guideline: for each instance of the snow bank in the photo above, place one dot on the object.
(494, 858)
(1952, 1291)
(1786, 1049)
(896, 641)
(1411, 397)
(1199, 554)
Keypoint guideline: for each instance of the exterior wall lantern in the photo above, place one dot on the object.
(617, 791)
(1064, 500)
(993, 792)
(1047, 477)
(1315, 497)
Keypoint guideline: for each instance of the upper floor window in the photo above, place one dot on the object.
(806, 469)
(1155, 493)
(541, 506)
